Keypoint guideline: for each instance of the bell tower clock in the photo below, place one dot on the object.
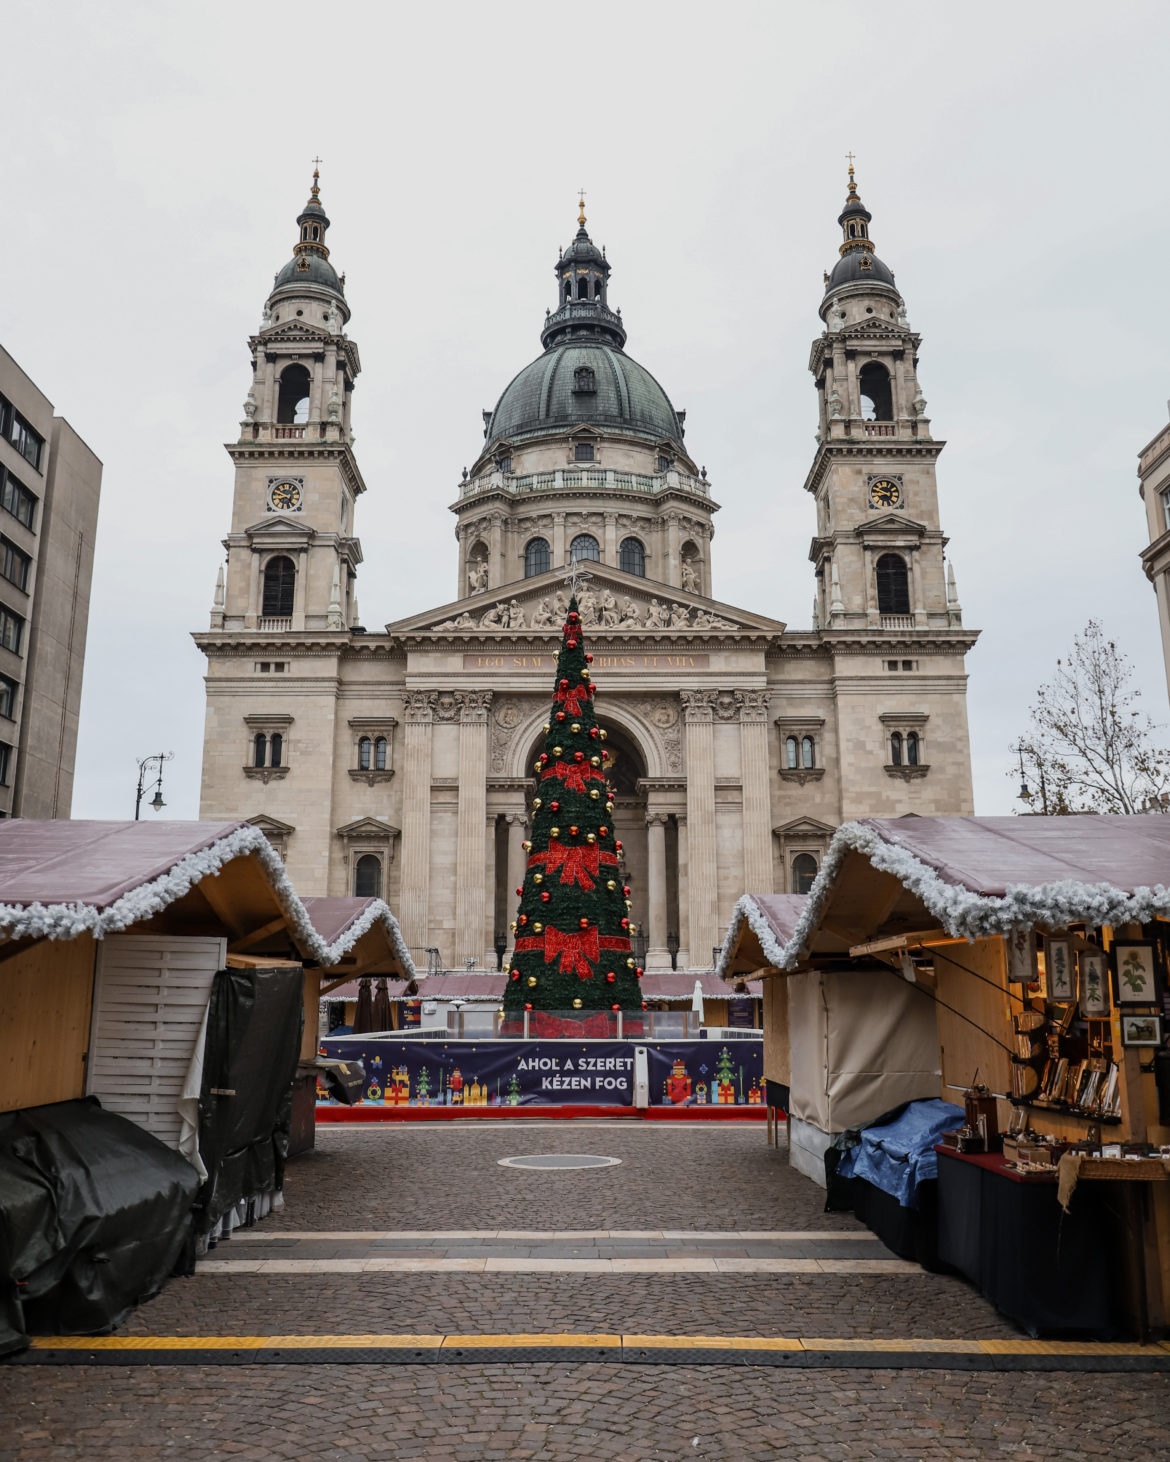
(291, 555)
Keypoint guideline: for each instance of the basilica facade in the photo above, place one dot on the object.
(399, 761)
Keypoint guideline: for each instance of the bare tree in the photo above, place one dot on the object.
(1089, 747)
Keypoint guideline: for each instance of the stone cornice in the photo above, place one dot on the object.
(862, 641)
(887, 448)
(253, 453)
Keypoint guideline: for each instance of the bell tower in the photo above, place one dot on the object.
(292, 556)
(879, 549)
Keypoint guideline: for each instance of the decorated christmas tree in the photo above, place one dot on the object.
(573, 926)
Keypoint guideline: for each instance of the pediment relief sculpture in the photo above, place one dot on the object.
(600, 608)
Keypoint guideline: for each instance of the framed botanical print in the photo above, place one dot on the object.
(1021, 956)
(1135, 972)
(1058, 964)
(1093, 994)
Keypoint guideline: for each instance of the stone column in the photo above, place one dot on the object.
(684, 920)
(490, 880)
(252, 618)
(559, 549)
(609, 547)
(416, 820)
(657, 955)
(268, 395)
(517, 861)
(757, 819)
(917, 600)
(698, 713)
(496, 553)
(673, 575)
(469, 859)
(301, 589)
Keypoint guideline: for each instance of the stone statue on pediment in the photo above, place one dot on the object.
(477, 575)
(250, 405)
(587, 604)
(630, 614)
(515, 615)
(680, 616)
(495, 618)
(690, 579)
(656, 615)
(561, 606)
(608, 606)
(462, 621)
(542, 615)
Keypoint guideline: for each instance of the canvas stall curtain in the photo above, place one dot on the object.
(861, 1042)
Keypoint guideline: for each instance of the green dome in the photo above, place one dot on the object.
(319, 274)
(552, 396)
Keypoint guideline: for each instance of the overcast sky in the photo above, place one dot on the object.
(1013, 157)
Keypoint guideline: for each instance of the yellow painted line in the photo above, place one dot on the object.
(236, 1342)
(456, 1342)
(947, 1347)
(1064, 1347)
(710, 1342)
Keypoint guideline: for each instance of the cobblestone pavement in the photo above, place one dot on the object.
(431, 1185)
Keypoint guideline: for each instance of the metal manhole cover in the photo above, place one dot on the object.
(560, 1161)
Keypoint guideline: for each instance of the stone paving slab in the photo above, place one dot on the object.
(549, 1412)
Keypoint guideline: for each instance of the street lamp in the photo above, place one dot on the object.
(1025, 793)
(157, 800)
(672, 950)
(501, 944)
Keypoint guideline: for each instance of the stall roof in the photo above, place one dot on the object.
(61, 879)
(976, 876)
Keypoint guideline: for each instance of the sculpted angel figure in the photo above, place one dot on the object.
(656, 615)
(630, 613)
(690, 579)
(542, 615)
(680, 615)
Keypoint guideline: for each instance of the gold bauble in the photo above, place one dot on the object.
(611, 885)
(608, 805)
(512, 926)
(531, 981)
(595, 794)
(527, 846)
(575, 727)
(538, 878)
(536, 765)
(633, 928)
(537, 927)
(554, 832)
(548, 725)
(557, 750)
(594, 761)
(536, 802)
(630, 963)
(602, 734)
(577, 1004)
(590, 837)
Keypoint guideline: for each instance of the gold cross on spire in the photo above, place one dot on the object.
(316, 189)
(581, 211)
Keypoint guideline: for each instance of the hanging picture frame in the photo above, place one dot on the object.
(1093, 985)
(1135, 972)
(1022, 967)
(1059, 968)
(1141, 1030)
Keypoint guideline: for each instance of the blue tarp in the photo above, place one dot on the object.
(899, 1155)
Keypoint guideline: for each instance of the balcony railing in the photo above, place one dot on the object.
(570, 478)
(276, 624)
(897, 621)
(880, 428)
(289, 433)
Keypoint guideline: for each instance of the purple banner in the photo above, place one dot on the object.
(430, 1073)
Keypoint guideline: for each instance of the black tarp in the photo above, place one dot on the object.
(94, 1212)
(254, 1024)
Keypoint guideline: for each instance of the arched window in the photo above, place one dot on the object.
(597, 283)
(584, 547)
(380, 754)
(632, 557)
(365, 747)
(293, 402)
(280, 577)
(790, 753)
(896, 749)
(568, 290)
(807, 752)
(583, 287)
(912, 748)
(276, 749)
(893, 584)
(877, 399)
(537, 558)
(804, 872)
(367, 876)
(259, 749)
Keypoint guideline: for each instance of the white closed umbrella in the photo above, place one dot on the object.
(697, 999)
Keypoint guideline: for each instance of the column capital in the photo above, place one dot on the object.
(657, 819)
(420, 706)
(516, 819)
(474, 706)
(753, 705)
(698, 705)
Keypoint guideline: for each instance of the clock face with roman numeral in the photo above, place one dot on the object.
(885, 492)
(285, 495)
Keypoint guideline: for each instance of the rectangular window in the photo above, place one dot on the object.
(11, 630)
(28, 443)
(8, 692)
(583, 451)
(14, 564)
(1166, 507)
(5, 762)
(16, 499)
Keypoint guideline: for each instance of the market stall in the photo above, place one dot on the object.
(1029, 957)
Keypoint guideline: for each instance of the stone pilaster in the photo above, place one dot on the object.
(757, 820)
(416, 817)
(469, 850)
(684, 913)
(517, 860)
(702, 870)
(657, 955)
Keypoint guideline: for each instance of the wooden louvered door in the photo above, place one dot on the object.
(150, 994)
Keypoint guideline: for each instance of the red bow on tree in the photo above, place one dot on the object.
(571, 698)
(575, 949)
(574, 774)
(576, 863)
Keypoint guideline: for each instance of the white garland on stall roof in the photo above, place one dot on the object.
(747, 908)
(965, 914)
(67, 921)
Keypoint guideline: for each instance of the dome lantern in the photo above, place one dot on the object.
(309, 270)
(858, 264)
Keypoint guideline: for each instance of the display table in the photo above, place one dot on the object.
(1049, 1271)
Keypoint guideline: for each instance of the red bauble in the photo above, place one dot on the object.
(625, 923)
(544, 756)
(626, 889)
(584, 922)
(615, 1007)
(578, 756)
(644, 1005)
(618, 845)
(554, 806)
(528, 1007)
(564, 685)
(545, 896)
(560, 715)
(515, 974)
(574, 830)
(593, 732)
(611, 977)
(572, 644)
(523, 919)
(639, 972)
(573, 616)
(519, 893)
(588, 659)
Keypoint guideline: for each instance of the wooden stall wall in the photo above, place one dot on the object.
(972, 978)
(45, 996)
(777, 1059)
